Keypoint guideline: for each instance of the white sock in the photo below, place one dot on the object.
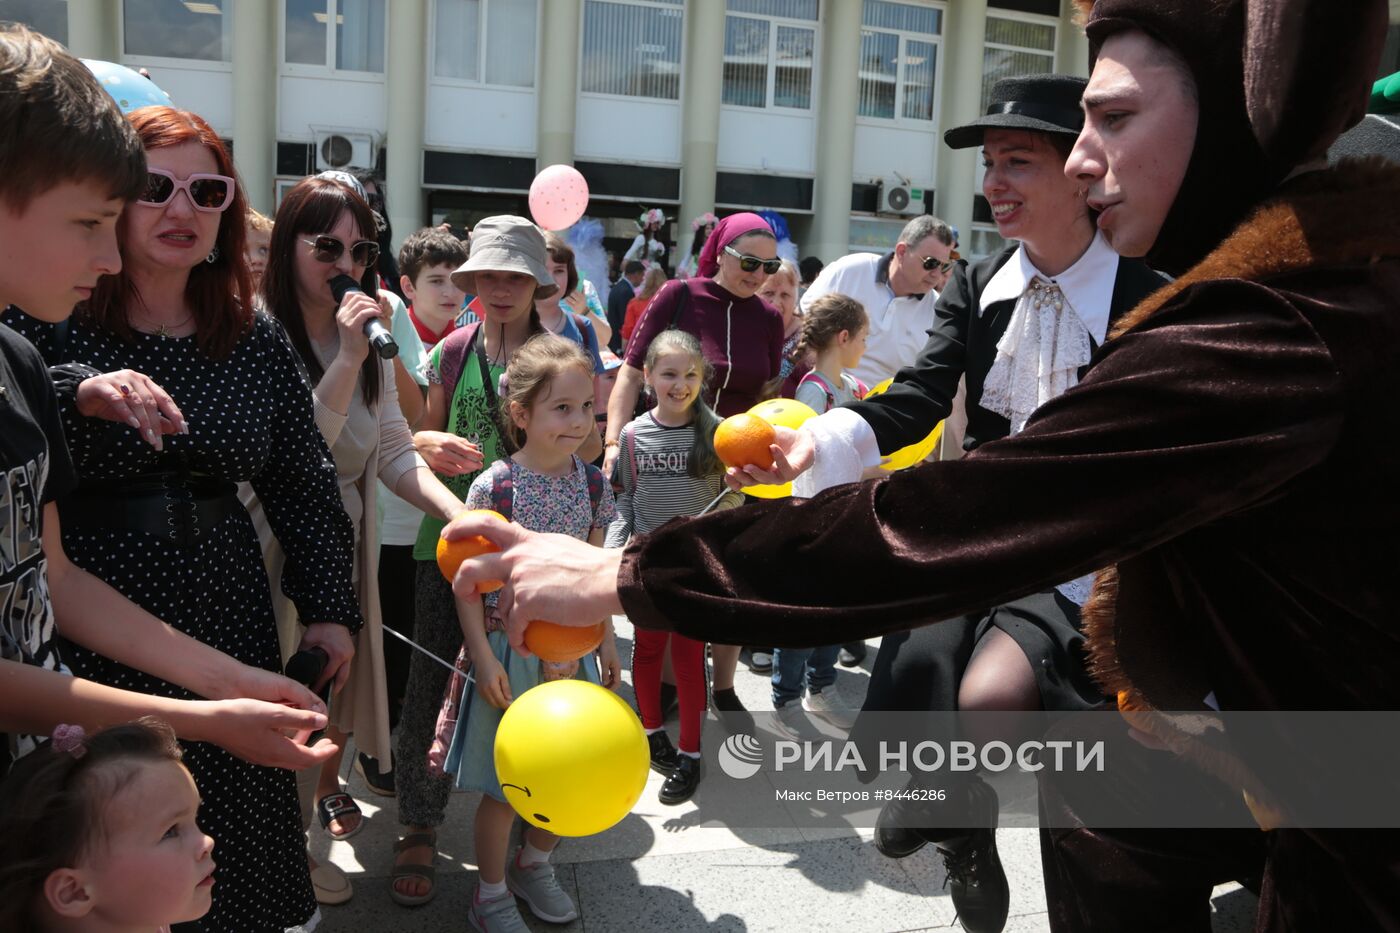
(654, 731)
(489, 891)
(695, 755)
(529, 855)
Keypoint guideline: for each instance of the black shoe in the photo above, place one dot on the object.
(681, 783)
(379, 782)
(761, 660)
(852, 655)
(976, 879)
(894, 837)
(669, 701)
(731, 713)
(663, 754)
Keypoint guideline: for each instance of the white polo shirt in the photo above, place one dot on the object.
(898, 326)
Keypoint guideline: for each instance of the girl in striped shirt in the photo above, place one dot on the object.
(667, 467)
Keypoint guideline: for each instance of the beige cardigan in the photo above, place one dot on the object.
(363, 706)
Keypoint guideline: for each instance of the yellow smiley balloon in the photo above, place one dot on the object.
(915, 453)
(785, 413)
(571, 757)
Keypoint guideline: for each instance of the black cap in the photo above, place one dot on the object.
(1040, 103)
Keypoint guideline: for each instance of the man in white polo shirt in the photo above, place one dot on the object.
(898, 291)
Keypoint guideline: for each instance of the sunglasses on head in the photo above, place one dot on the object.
(329, 249)
(212, 193)
(933, 262)
(750, 263)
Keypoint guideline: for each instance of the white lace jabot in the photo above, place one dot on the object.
(1051, 335)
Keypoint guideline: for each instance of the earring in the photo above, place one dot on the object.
(213, 256)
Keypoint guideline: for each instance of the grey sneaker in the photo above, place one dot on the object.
(498, 915)
(540, 890)
(818, 704)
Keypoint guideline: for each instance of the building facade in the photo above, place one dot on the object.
(830, 112)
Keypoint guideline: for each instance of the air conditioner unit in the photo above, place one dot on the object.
(899, 196)
(341, 149)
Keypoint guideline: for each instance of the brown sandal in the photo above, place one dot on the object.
(428, 872)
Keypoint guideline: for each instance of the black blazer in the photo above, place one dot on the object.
(963, 343)
(621, 293)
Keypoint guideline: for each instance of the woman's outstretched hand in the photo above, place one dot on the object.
(793, 454)
(547, 576)
(132, 398)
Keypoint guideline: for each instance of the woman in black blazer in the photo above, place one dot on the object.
(1020, 326)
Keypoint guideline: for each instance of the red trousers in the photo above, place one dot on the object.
(688, 663)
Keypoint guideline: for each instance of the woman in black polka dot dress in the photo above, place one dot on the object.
(153, 516)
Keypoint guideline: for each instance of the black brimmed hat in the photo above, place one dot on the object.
(1040, 103)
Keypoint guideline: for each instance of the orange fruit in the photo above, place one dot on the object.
(550, 641)
(742, 440)
(450, 554)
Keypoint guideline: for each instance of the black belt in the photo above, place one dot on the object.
(180, 508)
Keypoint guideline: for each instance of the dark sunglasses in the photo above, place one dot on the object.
(212, 193)
(749, 263)
(329, 249)
(933, 262)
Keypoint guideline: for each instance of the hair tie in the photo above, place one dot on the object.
(69, 738)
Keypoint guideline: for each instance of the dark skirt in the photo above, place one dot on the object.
(920, 670)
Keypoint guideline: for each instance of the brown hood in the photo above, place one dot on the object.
(1276, 80)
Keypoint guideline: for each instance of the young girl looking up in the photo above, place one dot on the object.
(668, 467)
(98, 833)
(547, 404)
(833, 332)
(460, 435)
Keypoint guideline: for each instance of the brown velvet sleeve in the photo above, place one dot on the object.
(1212, 404)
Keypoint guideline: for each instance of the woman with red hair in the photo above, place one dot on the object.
(156, 513)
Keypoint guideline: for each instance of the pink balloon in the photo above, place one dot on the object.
(558, 197)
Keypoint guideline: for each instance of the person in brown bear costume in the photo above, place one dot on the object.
(1229, 456)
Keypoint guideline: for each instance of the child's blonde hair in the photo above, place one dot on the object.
(529, 373)
(259, 223)
(824, 320)
(703, 459)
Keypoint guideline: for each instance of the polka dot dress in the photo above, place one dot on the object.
(250, 418)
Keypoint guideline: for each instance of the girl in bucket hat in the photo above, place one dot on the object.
(459, 437)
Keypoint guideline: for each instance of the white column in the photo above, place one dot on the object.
(255, 101)
(1071, 45)
(93, 29)
(406, 89)
(560, 24)
(964, 38)
(701, 86)
(836, 131)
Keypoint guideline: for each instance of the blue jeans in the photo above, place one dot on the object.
(791, 665)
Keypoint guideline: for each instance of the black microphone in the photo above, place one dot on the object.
(378, 334)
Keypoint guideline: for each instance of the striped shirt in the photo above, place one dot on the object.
(651, 465)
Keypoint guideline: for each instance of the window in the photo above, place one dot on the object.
(176, 30)
(769, 62)
(632, 48)
(356, 43)
(500, 33)
(47, 16)
(899, 45)
(1015, 47)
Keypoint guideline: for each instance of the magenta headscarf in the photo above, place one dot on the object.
(727, 231)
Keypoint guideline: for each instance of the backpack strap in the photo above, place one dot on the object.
(456, 347)
(820, 380)
(595, 486)
(502, 487)
(862, 390)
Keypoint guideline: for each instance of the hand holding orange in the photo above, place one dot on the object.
(450, 554)
(745, 440)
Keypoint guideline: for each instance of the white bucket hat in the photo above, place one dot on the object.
(506, 243)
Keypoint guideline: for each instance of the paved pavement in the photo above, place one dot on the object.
(659, 870)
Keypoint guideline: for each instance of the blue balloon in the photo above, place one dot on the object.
(777, 223)
(130, 89)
